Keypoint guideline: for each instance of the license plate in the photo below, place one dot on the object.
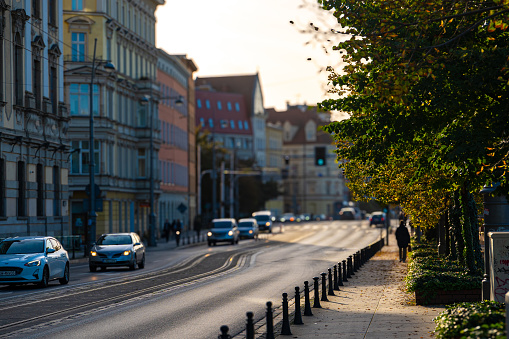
(109, 261)
(7, 272)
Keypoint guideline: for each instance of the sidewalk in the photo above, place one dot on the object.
(373, 304)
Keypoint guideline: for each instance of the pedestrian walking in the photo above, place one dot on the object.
(167, 230)
(403, 239)
(197, 225)
(178, 230)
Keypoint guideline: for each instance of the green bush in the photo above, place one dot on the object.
(484, 319)
(427, 273)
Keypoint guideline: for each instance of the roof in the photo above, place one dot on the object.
(242, 84)
(298, 116)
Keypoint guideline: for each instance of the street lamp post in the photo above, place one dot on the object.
(92, 208)
(152, 216)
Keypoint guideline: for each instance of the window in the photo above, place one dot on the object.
(80, 160)
(202, 122)
(21, 189)
(77, 5)
(56, 185)
(80, 99)
(78, 46)
(53, 83)
(232, 124)
(246, 125)
(36, 82)
(36, 8)
(198, 103)
(219, 106)
(240, 124)
(211, 123)
(2, 187)
(229, 105)
(237, 107)
(40, 189)
(52, 8)
(207, 104)
(142, 160)
(142, 115)
(18, 68)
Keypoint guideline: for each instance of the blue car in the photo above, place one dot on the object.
(223, 230)
(33, 259)
(248, 228)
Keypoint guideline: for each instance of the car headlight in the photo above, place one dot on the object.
(267, 223)
(93, 253)
(230, 233)
(209, 234)
(33, 263)
(127, 252)
(250, 231)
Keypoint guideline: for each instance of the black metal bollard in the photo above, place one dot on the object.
(269, 321)
(331, 290)
(336, 285)
(345, 272)
(340, 275)
(316, 303)
(307, 303)
(349, 267)
(285, 329)
(224, 333)
(324, 287)
(297, 319)
(355, 261)
(250, 326)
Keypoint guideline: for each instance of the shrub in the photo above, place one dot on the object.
(484, 319)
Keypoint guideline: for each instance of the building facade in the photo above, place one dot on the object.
(314, 183)
(34, 145)
(176, 156)
(121, 32)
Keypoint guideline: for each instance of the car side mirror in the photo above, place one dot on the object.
(137, 244)
(50, 250)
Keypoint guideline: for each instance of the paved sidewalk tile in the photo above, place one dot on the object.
(373, 304)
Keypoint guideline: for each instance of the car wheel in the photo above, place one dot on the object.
(65, 279)
(92, 268)
(45, 277)
(132, 266)
(142, 263)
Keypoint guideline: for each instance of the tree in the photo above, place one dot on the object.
(426, 85)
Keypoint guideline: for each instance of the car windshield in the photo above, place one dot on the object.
(262, 217)
(22, 246)
(114, 239)
(222, 224)
(245, 224)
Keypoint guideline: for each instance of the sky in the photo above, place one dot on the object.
(238, 37)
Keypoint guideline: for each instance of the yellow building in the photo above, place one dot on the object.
(122, 33)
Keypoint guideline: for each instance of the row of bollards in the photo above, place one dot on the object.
(331, 281)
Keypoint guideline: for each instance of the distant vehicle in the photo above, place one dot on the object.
(117, 250)
(288, 217)
(248, 228)
(264, 220)
(348, 213)
(35, 259)
(377, 219)
(223, 230)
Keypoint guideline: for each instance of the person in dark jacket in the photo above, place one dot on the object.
(403, 239)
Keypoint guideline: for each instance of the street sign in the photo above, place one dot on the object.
(98, 205)
(97, 190)
(182, 208)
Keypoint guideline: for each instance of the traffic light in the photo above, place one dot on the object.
(320, 156)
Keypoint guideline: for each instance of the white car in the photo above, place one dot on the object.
(35, 259)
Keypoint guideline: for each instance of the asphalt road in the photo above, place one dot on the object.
(183, 293)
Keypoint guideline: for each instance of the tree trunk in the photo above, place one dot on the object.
(468, 237)
(455, 219)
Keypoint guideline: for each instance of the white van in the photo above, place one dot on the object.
(264, 220)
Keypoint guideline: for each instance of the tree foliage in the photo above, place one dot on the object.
(426, 86)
